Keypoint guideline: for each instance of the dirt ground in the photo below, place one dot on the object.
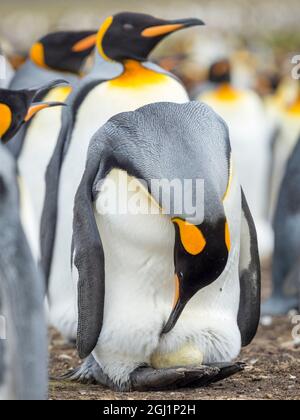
(272, 372)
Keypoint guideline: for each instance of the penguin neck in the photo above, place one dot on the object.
(136, 75)
(226, 92)
(128, 72)
(47, 73)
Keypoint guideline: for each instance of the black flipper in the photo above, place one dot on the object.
(250, 277)
(49, 216)
(89, 260)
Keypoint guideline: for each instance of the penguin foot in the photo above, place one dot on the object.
(276, 306)
(89, 373)
(149, 379)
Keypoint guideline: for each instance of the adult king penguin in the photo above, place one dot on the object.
(286, 260)
(23, 343)
(250, 137)
(53, 57)
(16, 109)
(126, 261)
(122, 80)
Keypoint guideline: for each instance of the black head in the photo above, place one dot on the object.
(134, 35)
(63, 51)
(220, 72)
(201, 255)
(18, 107)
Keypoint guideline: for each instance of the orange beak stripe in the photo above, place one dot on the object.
(34, 109)
(177, 291)
(85, 44)
(155, 31)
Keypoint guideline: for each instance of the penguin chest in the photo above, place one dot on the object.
(38, 149)
(139, 262)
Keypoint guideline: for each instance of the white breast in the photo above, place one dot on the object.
(39, 144)
(140, 287)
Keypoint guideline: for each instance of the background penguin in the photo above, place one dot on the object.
(53, 57)
(16, 109)
(288, 122)
(286, 268)
(23, 354)
(125, 260)
(244, 113)
(6, 77)
(122, 80)
(56, 55)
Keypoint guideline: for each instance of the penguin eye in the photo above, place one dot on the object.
(128, 27)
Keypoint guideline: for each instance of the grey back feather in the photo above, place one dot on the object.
(23, 357)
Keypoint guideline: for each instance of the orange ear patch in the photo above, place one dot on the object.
(227, 236)
(191, 236)
(37, 54)
(5, 119)
(102, 31)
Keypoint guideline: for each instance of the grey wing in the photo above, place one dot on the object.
(89, 261)
(250, 277)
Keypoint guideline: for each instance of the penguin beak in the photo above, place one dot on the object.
(36, 107)
(85, 44)
(169, 27)
(43, 90)
(179, 306)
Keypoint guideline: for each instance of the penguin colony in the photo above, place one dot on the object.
(155, 300)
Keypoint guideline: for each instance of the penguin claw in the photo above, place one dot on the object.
(89, 373)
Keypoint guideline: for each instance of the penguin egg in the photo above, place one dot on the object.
(188, 355)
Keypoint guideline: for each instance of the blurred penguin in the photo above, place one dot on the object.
(53, 57)
(244, 113)
(288, 120)
(286, 261)
(23, 344)
(6, 71)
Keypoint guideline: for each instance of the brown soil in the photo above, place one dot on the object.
(272, 373)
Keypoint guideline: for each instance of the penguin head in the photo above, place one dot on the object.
(134, 35)
(201, 255)
(18, 107)
(220, 72)
(63, 51)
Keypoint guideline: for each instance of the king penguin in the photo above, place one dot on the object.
(17, 108)
(133, 237)
(286, 261)
(23, 342)
(55, 56)
(250, 136)
(288, 120)
(122, 80)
